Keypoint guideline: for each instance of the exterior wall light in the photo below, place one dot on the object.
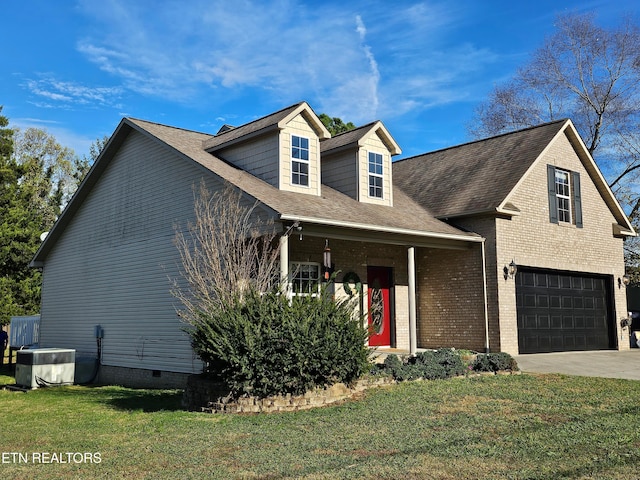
(297, 226)
(510, 270)
(624, 281)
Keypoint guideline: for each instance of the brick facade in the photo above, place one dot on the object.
(531, 240)
(450, 298)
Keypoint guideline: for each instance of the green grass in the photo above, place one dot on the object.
(515, 427)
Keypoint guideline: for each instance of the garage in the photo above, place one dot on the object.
(563, 311)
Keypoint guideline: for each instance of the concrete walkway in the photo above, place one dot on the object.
(602, 363)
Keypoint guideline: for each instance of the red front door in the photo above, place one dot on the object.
(378, 288)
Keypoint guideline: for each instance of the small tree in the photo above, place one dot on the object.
(225, 252)
(335, 125)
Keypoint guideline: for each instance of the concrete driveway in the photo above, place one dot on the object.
(601, 363)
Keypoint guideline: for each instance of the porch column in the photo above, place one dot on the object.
(284, 263)
(486, 301)
(412, 300)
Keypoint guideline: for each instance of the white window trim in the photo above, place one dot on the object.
(293, 268)
(299, 160)
(565, 197)
(380, 176)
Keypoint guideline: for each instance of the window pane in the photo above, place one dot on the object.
(375, 175)
(306, 278)
(563, 195)
(304, 143)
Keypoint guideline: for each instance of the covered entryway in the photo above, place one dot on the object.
(562, 311)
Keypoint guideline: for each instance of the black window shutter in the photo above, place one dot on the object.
(551, 185)
(577, 198)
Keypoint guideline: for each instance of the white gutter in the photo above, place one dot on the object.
(376, 228)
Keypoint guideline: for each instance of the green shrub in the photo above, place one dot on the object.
(451, 361)
(429, 365)
(494, 362)
(267, 344)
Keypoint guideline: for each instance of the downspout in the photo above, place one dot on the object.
(486, 302)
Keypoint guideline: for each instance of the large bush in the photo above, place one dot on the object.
(268, 344)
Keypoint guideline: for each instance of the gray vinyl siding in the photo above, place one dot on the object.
(259, 157)
(341, 173)
(112, 264)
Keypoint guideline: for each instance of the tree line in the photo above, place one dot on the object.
(37, 178)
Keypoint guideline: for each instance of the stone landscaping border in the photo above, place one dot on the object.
(200, 391)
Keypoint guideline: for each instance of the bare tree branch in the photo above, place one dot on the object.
(227, 250)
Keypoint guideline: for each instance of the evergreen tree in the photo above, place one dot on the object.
(37, 177)
(335, 125)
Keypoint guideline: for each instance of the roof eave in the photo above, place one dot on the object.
(379, 128)
(305, 109)
(469, 237)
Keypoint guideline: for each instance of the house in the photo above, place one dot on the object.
(430, 238)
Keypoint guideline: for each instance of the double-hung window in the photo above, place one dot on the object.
(305, 278)
(299, 160)
(563, 195)
(565, 200)
(375, 175)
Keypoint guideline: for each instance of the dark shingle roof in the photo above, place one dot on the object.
(474, 177)
(347, 138)
(263, 123)
(331, 206)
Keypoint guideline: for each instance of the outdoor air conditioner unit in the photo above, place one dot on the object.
(45, 367)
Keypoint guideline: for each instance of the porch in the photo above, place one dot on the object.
(418, 292)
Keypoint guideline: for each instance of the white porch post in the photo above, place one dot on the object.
(486, 301)
(284, 263)
(412, 300)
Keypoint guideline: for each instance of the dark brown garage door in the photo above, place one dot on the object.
(559, 311)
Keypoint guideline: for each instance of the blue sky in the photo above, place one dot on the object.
(76, 68)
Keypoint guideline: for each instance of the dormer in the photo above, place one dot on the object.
(282, 149)
(358, 163)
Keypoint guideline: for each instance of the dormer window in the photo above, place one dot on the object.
(375, 175)
(299, 161)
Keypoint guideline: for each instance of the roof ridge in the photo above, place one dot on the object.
(133, 119)
(290, 107)
(533, 127)
(370, 124)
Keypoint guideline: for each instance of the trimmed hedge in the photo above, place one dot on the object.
(268, 344)
(494, 362)
(442, 363)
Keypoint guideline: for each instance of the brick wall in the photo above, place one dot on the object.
(450, 298)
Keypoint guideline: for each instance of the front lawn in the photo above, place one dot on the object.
(516, 427)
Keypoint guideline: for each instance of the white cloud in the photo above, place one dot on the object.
(71, 93)
(289, 50)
